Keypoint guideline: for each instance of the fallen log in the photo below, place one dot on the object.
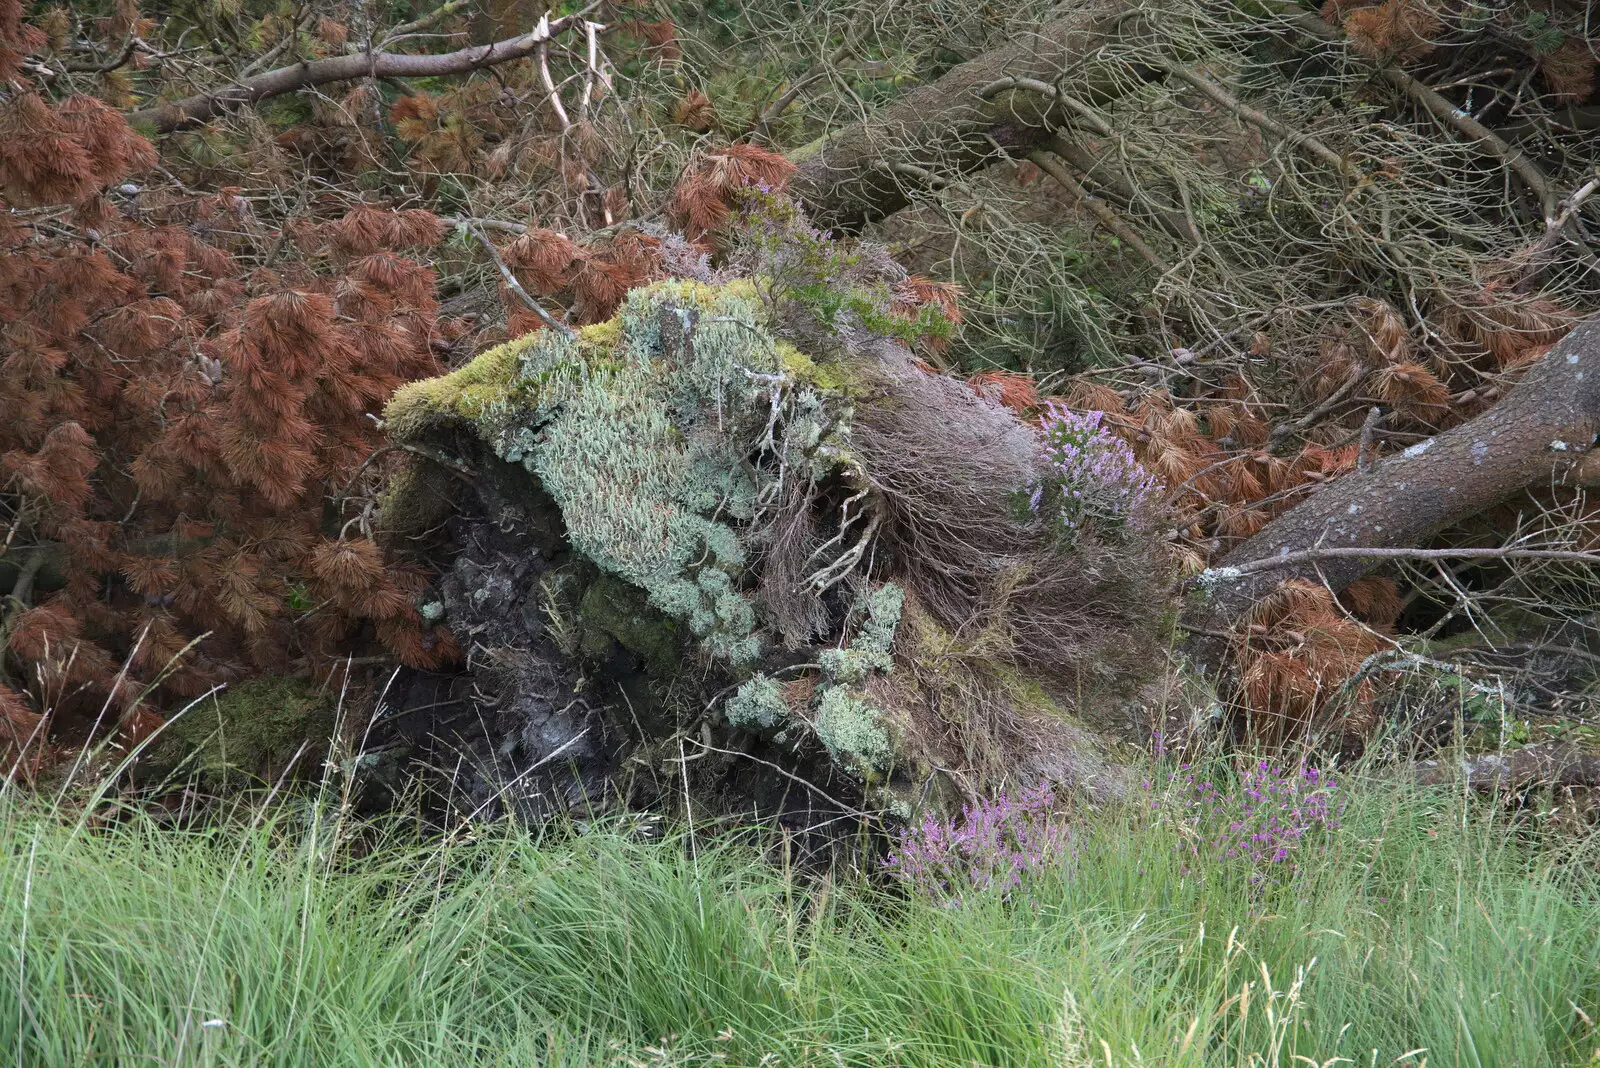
(1542, 433)
(872, 168)
(1515, 770)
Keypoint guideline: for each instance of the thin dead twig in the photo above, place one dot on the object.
(516, 286)
(1219, 575)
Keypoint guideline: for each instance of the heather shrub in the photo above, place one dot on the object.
(990, 848)
(1260, 823)
(1091, 479)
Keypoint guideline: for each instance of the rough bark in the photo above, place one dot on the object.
(1542, 432)
(871, 168)
(178, 114)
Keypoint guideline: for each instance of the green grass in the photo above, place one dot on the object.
(1425, 923)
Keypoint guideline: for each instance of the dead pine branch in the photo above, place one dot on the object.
(515, 286)
(178, 114)
(1098, 208)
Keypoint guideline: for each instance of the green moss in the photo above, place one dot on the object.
(251, 731)
(416, 499)
(806, 151)
(613, 611)
(1028, 696)
(600, 338)
(476, 393)
(829, 376)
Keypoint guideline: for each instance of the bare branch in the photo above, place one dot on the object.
(105, 66)
(516, 286)
(1447, 113)
(1099, 208)
(431, 19)
(166, 118)
(1299, 139)
(1218, 575)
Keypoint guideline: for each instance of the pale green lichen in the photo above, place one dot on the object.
(852, 730)
(868, 651)
(849, 725)
(640, 429)
(758, 704)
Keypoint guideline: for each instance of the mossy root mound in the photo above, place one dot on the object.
(683, 552)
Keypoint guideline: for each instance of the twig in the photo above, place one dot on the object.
(421, 450)
(591, 70)
(1492, 143)
(1281, 433)
(487, 224)
(108, 65)
(516, 286)
(1565, 224)
(542, 51)
(1297, 138)
(1098, 208)
(835, 802)
(1215, 575)
(1369, 425)
(1032, 85)
(1440, 108)
(432, 18)
(1179, 224)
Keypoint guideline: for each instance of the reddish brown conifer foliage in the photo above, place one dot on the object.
(701, 203)
(176, 435)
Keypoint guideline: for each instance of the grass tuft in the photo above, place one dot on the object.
(1422, 929)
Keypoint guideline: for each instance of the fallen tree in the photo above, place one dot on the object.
(1541, 434)
(974, 115)
(1271, 262)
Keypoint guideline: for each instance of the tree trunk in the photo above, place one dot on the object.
(871, 168)
(1541, 433)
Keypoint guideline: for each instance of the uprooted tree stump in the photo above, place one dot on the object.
(683, 552)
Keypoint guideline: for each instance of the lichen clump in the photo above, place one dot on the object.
(642, 430)
(856, 733)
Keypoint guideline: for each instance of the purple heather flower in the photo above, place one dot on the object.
(1090, 473)
(1263, 822)
(990, 848)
